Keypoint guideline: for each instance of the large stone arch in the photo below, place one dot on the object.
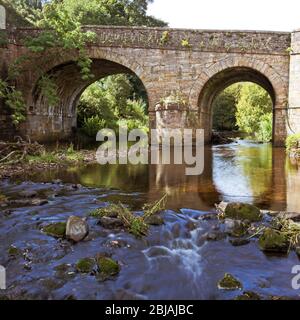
(45, 122)
(236, 69)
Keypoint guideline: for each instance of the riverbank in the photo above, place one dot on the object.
(22, 157)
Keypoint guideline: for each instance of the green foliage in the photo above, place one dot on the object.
(292, 142)
(224, 109)
(14, 100)
(112, 12)
(109, 103)
(92, 125)
(49, 90)
(265, 131)
(254, 102)
(62, 24)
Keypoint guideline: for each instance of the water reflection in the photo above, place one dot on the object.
(244, 171)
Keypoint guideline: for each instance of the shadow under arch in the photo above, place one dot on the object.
(221, 80)
(55, 122)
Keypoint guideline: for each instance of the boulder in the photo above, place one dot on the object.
(273, 241)
(110, 223)
(77, 228)
(236, 228)
(229, 282)
(57, 230)
(242, 211)
(107, 267)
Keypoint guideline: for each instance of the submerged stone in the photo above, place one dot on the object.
(248, 295)
(39, 202)
(242, 211)
(107, 267)
(215, 236)
(155, 220)
(77, 228)
(239, 242)
(57, 230)
(229, 282)
(28, 194)
(14, 251)
(298, 251)
(273, 241)
(85, 265)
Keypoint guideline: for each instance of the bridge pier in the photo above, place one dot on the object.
(293, 112)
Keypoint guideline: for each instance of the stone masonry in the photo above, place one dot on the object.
(194, 65)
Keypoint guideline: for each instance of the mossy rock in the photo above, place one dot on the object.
(229, 282)
(57, 230)
(243, 211)
(273, 241)
(85, 265)
(248, 295)
(107, 267)
(14, 251)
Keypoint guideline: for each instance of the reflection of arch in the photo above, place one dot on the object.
(228, 71)
(2, 18)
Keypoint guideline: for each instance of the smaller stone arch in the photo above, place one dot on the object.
(2, 18)
(232, 70)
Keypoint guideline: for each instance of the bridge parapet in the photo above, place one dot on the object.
(259, 42)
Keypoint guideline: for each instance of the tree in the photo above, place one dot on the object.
(254, 102)
(224, 109)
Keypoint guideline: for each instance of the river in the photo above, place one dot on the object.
(174, 261)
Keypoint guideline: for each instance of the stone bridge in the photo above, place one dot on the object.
(194, 64)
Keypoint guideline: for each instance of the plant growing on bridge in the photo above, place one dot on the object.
(14, 100)
(165, 38)
(186, 43)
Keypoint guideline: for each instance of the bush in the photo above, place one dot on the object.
(92, 125)
(293, 142)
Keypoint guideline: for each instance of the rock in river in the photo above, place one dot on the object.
(28, 194)
(110, 223)
(229, 282)
(107, 267)
(236, 228)
(242, 211)
(77, 228)
(273, 241)
(86, 265)
(57, 230)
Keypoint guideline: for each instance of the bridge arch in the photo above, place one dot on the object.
(229, 71)
(50, 122)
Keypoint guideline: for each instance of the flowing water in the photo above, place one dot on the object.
(175, 261)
